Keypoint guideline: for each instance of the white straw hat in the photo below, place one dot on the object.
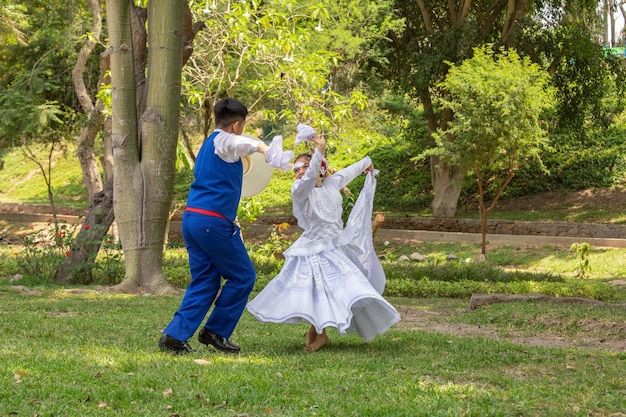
(256, 173)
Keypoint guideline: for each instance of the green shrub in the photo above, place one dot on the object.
(176, 267)
(461, 280)
(43, 250)
(109, 267)
(594, 159)
(403, 184)
(179, 276)
(458, 280)
(435, 279)
(182, 182)
(267, 266)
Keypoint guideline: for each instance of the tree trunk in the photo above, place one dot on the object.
(95, 118)
(145, 159)
(447, 181)
(483, 227)
(605, 23)
(107, 153)
(482, 208)
(124, 133)
(87, 242)
(612, 24)
(87, 155)
(623, 31)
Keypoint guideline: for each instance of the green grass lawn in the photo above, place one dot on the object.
(78, 351)
(68, 352)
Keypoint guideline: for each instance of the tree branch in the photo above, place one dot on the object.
(452, 12)
(428, 24)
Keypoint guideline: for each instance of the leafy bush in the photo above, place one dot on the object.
(277, 242)
(458, 280)
(403, 184)
(109, 267)
(44, 250)
(176, 268)
(595, 160)
(182, 182)
(430, 280)
(9, 265)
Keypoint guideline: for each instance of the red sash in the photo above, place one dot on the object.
(207, 212)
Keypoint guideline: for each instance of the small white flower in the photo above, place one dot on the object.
(386, 243)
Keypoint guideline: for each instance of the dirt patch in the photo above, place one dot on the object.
(437, 321)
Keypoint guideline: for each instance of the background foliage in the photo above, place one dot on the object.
(329, 52)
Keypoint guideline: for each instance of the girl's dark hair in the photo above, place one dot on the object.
(303, 155)
(228, 111)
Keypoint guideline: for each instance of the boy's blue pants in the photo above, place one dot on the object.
(216, 251)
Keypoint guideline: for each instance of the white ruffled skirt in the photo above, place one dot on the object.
(337, 287)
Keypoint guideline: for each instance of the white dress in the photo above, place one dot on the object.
(331, 276)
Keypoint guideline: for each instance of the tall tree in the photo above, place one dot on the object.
(497, 100)
(145, 132)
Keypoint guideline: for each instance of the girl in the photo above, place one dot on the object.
(331, 276)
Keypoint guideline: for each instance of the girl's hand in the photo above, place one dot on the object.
(262, 148)
(320, 141)
(370, 168)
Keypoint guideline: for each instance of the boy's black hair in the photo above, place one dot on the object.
(228, 111)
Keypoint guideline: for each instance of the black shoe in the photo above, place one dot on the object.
(168, 343)
(207, 337)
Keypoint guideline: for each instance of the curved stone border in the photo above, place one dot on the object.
(494, 227)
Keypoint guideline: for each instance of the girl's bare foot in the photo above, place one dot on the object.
(319, 341)
(311, 336)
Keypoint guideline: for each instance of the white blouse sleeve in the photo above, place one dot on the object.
(231, 147)
(302, 187)
(343, 177)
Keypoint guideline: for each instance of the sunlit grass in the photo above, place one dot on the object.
(23, 182)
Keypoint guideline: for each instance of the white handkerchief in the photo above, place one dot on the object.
(305, 133)
(276, 157)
